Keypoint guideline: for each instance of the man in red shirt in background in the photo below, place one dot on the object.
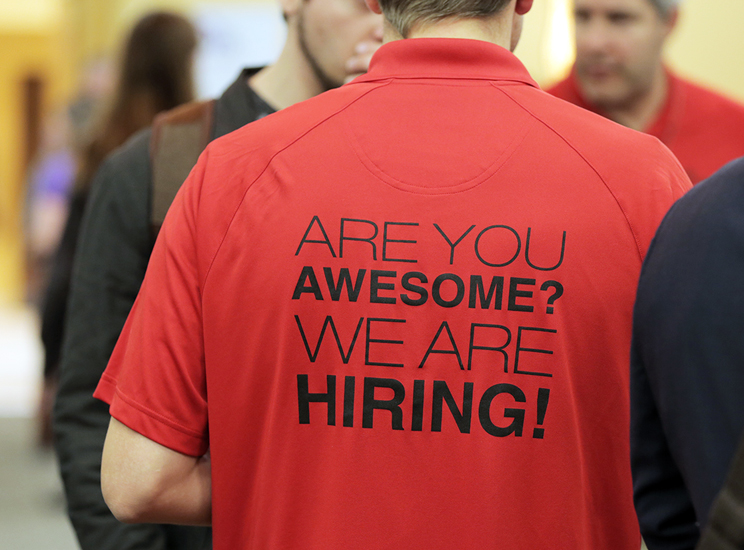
(619, 73)
(397, 315)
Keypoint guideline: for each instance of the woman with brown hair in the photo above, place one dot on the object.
(155, 74)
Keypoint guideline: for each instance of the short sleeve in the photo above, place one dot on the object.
(155, 380)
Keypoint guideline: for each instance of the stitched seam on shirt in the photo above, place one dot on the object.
(402, 78)
(463, 187)
(270, 161)
(109, 379)
(456, 82)
(567, 142)
(155, 416)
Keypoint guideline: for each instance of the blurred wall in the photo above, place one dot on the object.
(546, 46)
(32, 47)
(54, 39)
(708, 43)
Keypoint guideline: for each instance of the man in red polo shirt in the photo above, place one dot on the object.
(397, 315)
(619, 73)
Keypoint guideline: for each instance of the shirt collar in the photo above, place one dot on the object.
(239, 105)
(447, 58)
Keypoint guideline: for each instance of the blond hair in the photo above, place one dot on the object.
(404, 15)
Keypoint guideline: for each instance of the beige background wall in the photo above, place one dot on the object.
(708, 45)
(54, 39)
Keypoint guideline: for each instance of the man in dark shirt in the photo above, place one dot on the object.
(328, 42)
(688, 361)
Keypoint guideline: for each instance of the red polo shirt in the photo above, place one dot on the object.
(705, 130)
(399, 314)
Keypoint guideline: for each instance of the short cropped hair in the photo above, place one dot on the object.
(664, 7)
(405, 14)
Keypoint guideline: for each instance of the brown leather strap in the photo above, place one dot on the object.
(725, 529)
(178, 138)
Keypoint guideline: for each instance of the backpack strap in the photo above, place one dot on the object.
(178, 138)
(725, 529)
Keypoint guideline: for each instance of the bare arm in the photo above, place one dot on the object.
(145, 482)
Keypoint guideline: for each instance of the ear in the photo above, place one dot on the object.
(523, 6)
(290, 7)
(374, 5)
(672, 20)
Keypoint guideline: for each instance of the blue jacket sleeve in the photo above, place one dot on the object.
(665, 512)
(686, 373)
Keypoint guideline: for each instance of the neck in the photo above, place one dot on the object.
(496, 29)
(290, 79)
(640, 113)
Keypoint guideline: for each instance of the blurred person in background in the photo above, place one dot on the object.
(52, 174)
(51, 177)
(155, 74)
(619, 73)
(687, 363)
(328, 42)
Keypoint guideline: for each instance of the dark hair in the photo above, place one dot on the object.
(155, 75)
(405, 14)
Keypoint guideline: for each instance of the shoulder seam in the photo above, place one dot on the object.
(589, 163)
(268, 163)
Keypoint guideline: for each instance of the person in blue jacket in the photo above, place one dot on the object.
(687, 361)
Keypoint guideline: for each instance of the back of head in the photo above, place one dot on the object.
(155, 74)
(158, 60)
(404, 15)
